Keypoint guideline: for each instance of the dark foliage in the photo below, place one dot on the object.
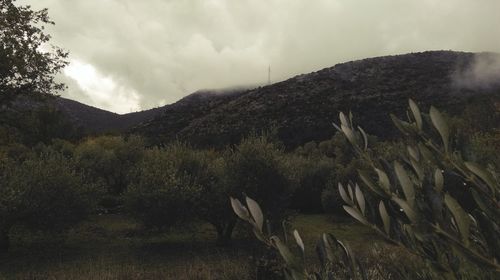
(41, 193)
(25, 67)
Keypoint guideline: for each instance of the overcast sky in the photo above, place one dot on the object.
(132, 54)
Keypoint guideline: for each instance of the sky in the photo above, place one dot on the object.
(129, 55)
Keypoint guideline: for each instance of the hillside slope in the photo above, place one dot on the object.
(94, 120)
(302, 108)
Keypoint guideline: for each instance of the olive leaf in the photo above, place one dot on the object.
(344, 195)
(405, 182)
(416, 113)
(408, 210)
(438, 180)
(383, 180)
(298, 240)
(481, 173)
(385, 217)
(366, 179)
(256, 212)
(461, 218)
(240, 210)
(356, 214)
(360, 198)
(440, 125)
(343, 119)
(365, 137)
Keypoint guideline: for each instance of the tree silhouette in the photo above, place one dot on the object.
(28, 62)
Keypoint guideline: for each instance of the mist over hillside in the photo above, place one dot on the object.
(302, 108)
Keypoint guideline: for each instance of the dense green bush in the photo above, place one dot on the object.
(107, 161)
(202, 174)
(311, 175)
(169, 182)
(256, 167)
(158, 195)
(213, 189)
(41, 193)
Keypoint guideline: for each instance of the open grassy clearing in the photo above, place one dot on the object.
(113, 247)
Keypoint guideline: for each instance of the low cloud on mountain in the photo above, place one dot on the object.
(148, 53)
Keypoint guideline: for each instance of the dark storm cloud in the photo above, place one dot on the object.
(138, 54)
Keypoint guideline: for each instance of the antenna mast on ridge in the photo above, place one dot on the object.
(269, 75)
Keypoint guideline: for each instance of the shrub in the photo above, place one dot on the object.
(213, 189)
(311, 175)
(41, 193)
(158, 196)
(108, 161)
(255, 167)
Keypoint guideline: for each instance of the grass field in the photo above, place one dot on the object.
(113, 247)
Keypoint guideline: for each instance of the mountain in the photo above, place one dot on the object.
(301, 109)
(94, 120)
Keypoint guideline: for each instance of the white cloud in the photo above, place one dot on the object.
(162, 50)
(100, 90)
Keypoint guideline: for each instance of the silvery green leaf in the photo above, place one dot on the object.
(426, 153)
(461, 218)
(344, 195)
(348, 253)
(418, 170)
(360, 198)
(438, 180)
(409, 212)
(256, 212)
(385, 217)
(481, 173)
(383, 180)
(356, 214)
(336, 127)
(298, 240)
(403, 126)
(285, 253)
(405, 182)
(365, 138)
(240, 210)
(328, 246)
(351, 194)
(416, 113)
(258, 233)
(349, 134)
(293, 263)
(343, 120)
(366, 179)
(440, 125)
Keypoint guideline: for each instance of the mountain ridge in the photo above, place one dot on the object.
(299, 109)
(302, 108)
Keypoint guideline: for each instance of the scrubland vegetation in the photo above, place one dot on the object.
(109, 206)
(421, 205)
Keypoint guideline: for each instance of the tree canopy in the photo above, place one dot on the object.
(28, 62)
